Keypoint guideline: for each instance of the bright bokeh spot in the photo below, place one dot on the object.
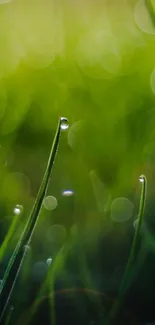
(143, 18)
(67, 193)
(50, 203)
(121, 209)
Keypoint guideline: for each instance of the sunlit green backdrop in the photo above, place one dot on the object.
(94, 63)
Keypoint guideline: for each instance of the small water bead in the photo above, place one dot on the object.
(50, 202)
(49, 261)
(18, 209)
(142, 178)
(27, 248)
(64, 123)
(67, 193)
(135, 224)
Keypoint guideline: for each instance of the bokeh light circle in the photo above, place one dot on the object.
(50, 203)
(56, 234)
(143, 18)
(121, 209)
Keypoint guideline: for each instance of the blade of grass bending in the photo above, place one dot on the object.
(18, 255)
(116, 307)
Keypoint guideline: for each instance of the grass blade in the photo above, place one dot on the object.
(17, 258)
(117, 305)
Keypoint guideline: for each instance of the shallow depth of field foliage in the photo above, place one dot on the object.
(94, 63)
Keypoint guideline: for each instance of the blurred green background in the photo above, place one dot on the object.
(94, 63)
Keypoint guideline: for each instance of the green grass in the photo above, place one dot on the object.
(18, 255)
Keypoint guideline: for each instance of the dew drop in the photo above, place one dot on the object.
(27, 248)
(64, 123)
(142, 178)
(18, 209)
(49, 261)
(67, 193)
(135, 224)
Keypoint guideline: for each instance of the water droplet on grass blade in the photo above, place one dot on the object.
(141, 178)
(49, 261)
(39, 271)
(18, 209)
(27, 248)
(135, 224)
(64, 123)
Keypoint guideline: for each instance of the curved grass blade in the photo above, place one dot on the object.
(123, 287)
(17, 258)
